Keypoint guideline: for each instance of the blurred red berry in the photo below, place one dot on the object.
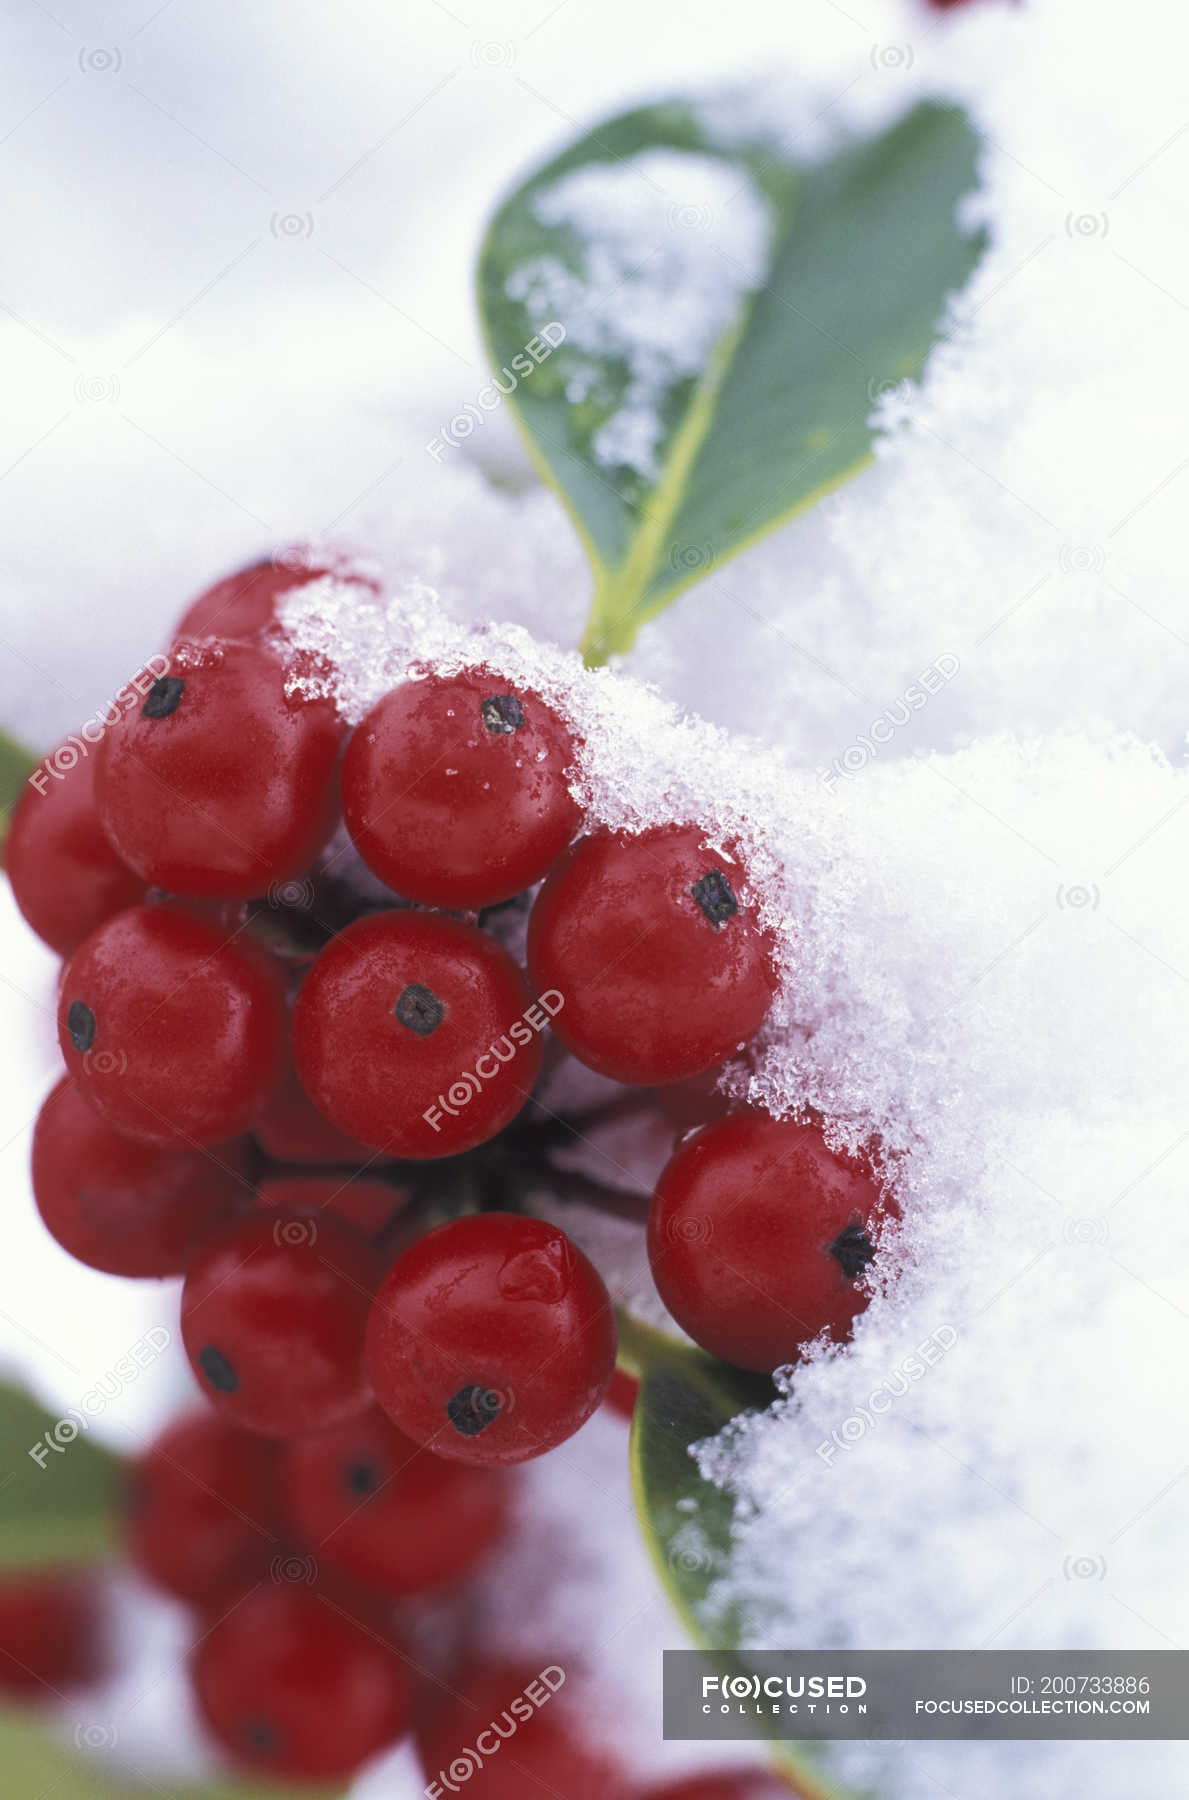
(51, 1633)
(66, 876)
(204, 1508)
(292, 1686)
(729, 1784)
(522, 1734)
(623, 1393)
(390, 1515)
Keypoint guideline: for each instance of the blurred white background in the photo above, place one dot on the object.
(249, 233)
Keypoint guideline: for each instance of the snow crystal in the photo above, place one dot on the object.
(669, 244)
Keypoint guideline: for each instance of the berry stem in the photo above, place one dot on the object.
(573, 1186)
(557, 1128)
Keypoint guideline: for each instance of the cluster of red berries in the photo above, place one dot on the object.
(301, 1671)
(304, 1093)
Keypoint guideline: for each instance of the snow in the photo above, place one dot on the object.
(669, 244)
(984, 930)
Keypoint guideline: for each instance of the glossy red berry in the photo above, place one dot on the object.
(66, 876)
(654, 948)
(290, 1129)
(729, 1784)
(519, 1732)
(273, 1316)
(171, 1030)
(51, 1634)
(220, 786)
(125, 1207)
(244, 605)
(291, 1686)
(203, 1511)
(417, 1035)
(388, 1514)
(455, 789)
(492, 1339)
(759, 1236)
(367, 1205)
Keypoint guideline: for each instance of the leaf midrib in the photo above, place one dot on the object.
(622, 587)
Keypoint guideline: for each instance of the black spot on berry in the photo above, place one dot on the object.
(218, 1371)
(80, 1023)
(362, 1477)
(163, 698)
(419, 1009)
(472, 1410)
(713, 894)
(853, 1250)
(260, 1735)
(502, 714)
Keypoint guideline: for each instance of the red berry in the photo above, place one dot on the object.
(292, 1686)
(455, 789)
(170, 1030)
(243, 605)
(758, 1236)
(273, 1316)
(653, 946)
(203, 1508)
(492, 1339)
(417, 1034)
(290, 1129)
(520, 1733)
(125, 1207)
(623, 1393)
(730, 1784)
(220, 786)
(51, 1633)
(369, 1206)
(388, 1514)
(66, 877)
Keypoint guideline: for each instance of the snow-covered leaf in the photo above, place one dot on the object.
(686, 1396)
(694, 327)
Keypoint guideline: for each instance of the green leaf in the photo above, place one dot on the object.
(36, 1764)
(686, 1396)
(15, 764)
(64, 1511)
(861, 251)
